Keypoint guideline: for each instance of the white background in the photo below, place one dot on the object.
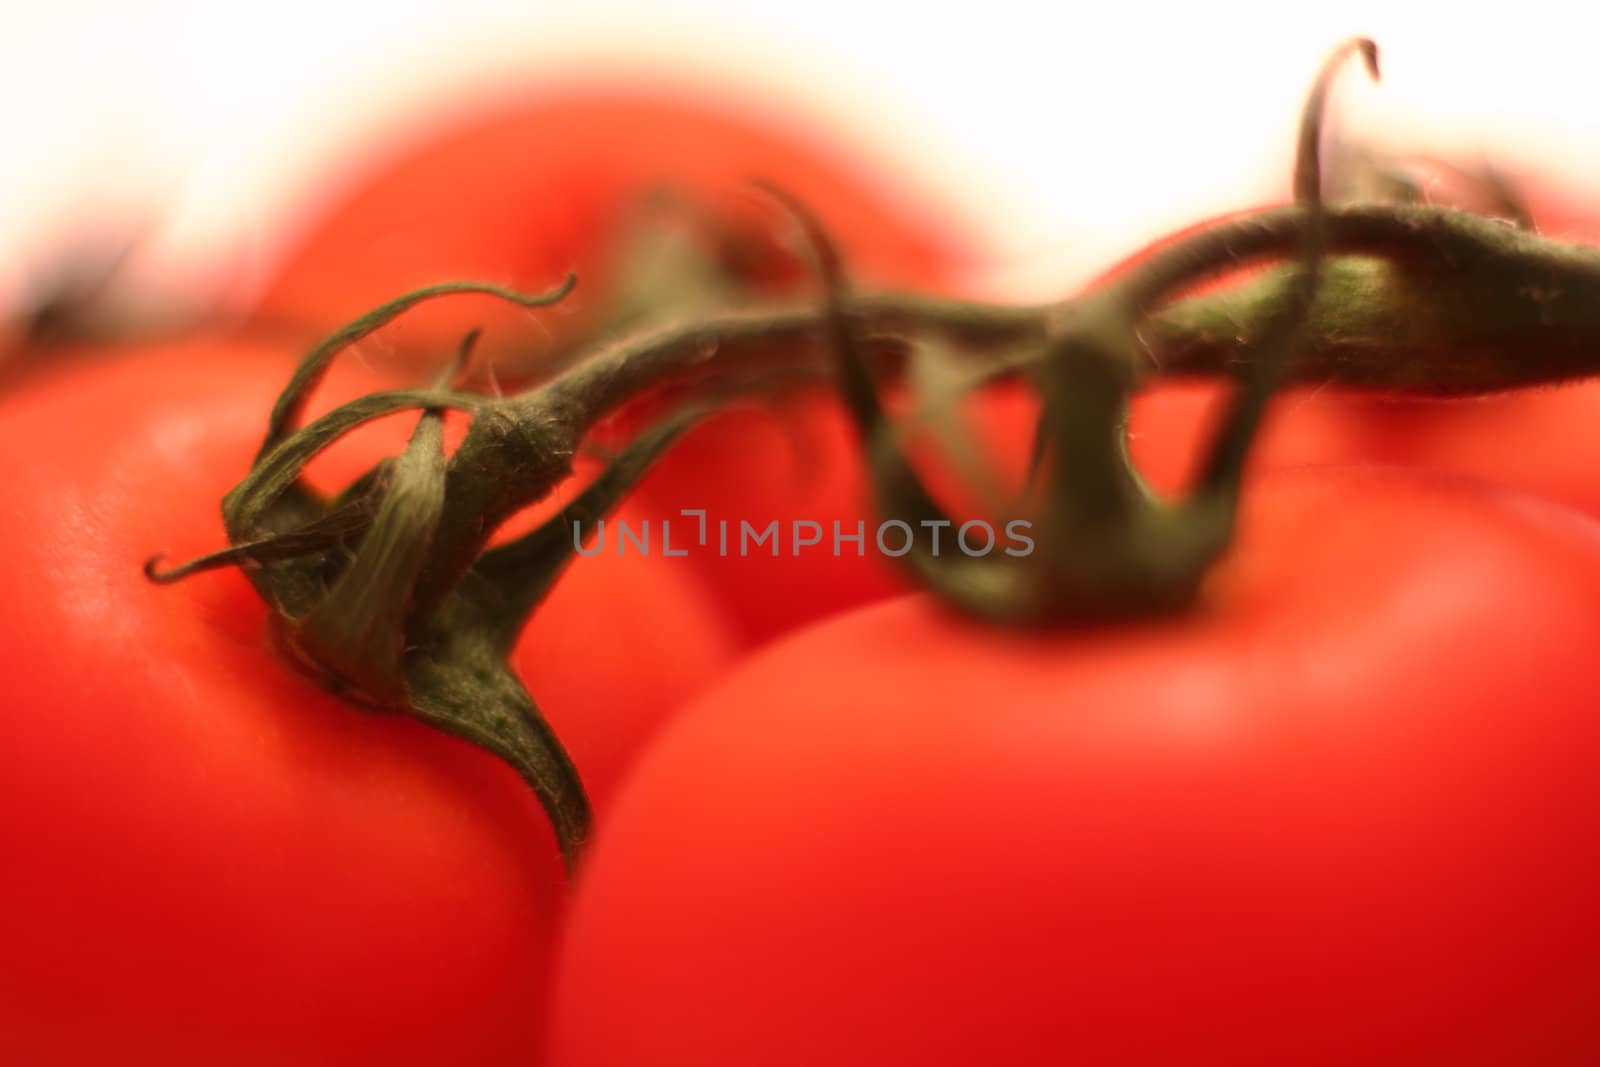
(1067, 134)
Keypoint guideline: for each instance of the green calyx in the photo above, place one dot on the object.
(389, 594)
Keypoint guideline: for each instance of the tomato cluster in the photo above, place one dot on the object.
(1338, 811)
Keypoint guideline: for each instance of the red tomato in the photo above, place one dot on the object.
(1342, 814)
(210, 860)
(555, 184)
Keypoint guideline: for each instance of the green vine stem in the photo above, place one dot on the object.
(391, 594)
(1416, 298)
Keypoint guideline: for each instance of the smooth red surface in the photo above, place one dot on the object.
(1535, 440)
(208, 859)
(1344, 813)
(526, 190)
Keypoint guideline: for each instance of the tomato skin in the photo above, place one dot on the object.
(750, 466)
(211, 860)
(1533, 439)
(1343, 814)
(536, 187)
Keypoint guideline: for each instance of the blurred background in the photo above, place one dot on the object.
(205, 139)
